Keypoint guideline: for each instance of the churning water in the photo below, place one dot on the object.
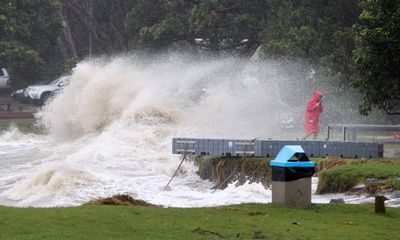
(110, 131)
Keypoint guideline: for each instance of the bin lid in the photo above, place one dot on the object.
(292, 156)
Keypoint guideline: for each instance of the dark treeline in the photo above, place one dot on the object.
(353, 43)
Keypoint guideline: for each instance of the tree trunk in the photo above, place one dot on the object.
(65, 41)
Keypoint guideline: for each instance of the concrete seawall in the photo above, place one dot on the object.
(13, 109)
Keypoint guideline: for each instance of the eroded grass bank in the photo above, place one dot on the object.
(335, 174)
(345, 176)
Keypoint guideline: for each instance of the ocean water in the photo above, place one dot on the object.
(109, 132)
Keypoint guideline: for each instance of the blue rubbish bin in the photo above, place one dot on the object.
(291, 177)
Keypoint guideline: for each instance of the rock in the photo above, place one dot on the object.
(395, 194)
(369, 181)
(393, 202)
(337, 200)
(359, 186)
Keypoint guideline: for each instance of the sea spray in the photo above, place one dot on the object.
(110, 130)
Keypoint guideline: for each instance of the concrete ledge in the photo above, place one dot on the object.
(270, 147)
(16, 115)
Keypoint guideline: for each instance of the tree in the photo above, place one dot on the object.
(219, 24)
(28, 34)
(157, 24)
(101, 20)
(377, 56)
(290, 30)
(337, 36)
(312, 42)
(315, 31)
(228, 24)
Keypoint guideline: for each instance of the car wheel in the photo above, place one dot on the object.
(45, 96)
(24, 100)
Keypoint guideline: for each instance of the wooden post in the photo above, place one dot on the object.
(380, 204)
(176, 171)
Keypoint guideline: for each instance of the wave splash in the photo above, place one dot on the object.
(110, 130)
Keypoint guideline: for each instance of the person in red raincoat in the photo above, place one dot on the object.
(314, 108)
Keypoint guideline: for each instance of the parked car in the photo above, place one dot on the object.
(38, 94)
(19, 95)
(5, 82)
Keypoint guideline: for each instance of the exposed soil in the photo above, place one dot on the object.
(121, 199)
(225, 170)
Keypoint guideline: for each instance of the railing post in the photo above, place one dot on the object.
(344, 134)
(329, 133)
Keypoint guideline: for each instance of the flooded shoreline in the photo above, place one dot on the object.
(109, 132)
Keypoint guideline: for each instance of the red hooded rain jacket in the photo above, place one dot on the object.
(313, 110)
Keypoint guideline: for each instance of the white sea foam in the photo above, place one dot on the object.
(110, 131)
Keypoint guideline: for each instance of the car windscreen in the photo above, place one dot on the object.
(64, 80)
(44, 82)
(54, 82)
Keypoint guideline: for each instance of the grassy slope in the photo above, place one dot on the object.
(24, 125)
(344, 177)
(266, 221)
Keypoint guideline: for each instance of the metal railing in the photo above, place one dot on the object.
(354, 129)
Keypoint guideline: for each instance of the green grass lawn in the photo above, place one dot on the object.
(246, 221)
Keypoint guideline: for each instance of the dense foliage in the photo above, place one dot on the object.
(345, 42)
(377, 57)
(28, 34)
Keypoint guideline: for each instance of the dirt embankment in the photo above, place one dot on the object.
(225, 170)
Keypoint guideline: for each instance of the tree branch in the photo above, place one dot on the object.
(392, 113)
